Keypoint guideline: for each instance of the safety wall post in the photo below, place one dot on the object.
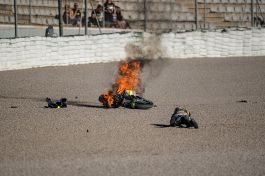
(15, 17)
(30, 9)
(171, 14)
(103, 13)
(252, 13)
(196, 14)
(60, 18)
(145, 15)
(204, 23)
(86, 16)
(257, 6)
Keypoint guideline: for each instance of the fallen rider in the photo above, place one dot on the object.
(182, 118)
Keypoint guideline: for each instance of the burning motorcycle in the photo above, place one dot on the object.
(126, 100)
(182, 118)
(124, 89)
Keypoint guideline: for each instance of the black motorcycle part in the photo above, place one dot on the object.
(136, 102)
(62, 103)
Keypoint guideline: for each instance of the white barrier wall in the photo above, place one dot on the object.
(31, 52)
(215, 44)
(41, 51)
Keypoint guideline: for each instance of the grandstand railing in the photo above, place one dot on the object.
(147, 15)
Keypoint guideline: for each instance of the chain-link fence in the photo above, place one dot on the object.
(21, 18)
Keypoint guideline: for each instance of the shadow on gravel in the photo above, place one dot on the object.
(161, 125)
(72, 103)
(80, 104)
(23, 98)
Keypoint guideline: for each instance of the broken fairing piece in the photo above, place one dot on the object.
(57, 104)
(182, 118)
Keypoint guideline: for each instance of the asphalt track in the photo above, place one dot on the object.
(226, 96)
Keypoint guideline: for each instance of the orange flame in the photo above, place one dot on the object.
(108, 96)
(128, 80)
(129, 76)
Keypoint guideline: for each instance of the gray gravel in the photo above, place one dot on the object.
(85, 139)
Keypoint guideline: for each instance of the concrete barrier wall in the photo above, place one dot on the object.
(215, 44)
(32, 52)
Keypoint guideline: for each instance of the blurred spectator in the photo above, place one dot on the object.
(66, 13)
(109, 7)
(97, 16)
(49, 32)
(120, 22)
(72, 16)
(258, 20)
(113, 16)
(76, 14)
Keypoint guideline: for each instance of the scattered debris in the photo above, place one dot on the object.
(62, 103)
(182, 118)
(242, 101)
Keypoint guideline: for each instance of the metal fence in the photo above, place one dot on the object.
(147, 15)
(234, 13)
